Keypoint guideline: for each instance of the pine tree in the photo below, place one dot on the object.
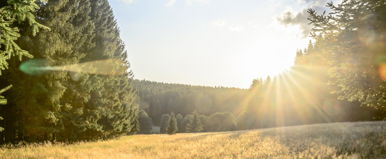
(78, 123)
(71, 106)
(187, 123)
(354, 58)
(222, 121)
(172, 125)
(66, 43)
(145, 122)
(195, 124)
(3, 101)
(180, 122)
(164, 123)
(114, 95)
(13, 16)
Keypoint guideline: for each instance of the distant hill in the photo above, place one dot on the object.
(158, 98)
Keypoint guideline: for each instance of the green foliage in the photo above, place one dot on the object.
(145, 122)
(13, 15)
(187, 119)
(356, 42)
(3, 101)
(162, 98)
(164, 123)
(172, 125)
(221, 121)
(69, 106)
(180, 122)
(56, 99)
(303, 98)
(194, 124)
(114, 95)
(248, 120)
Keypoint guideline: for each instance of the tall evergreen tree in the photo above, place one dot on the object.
(164, 123)
(145, 122)
(180, 120)
(69, 105)
(186, 126)
(227, 120)
(14, 15)
(357, 49)
(114, 95)
(195, 125)
(172, 125)
(51, 97)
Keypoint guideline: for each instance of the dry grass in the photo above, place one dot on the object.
(338, 140)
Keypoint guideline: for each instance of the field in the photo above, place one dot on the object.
(336, 140)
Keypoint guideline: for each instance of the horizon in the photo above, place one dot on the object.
(190, 85)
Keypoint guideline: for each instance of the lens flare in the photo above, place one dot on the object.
(34, 66)
(100, 67)
(382, 71)
(382, 67)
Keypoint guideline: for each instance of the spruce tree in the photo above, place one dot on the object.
(145, 122)
(44, 102)
(15, 15)
(222, 121)
(113, 95)
(197, 123)
(180, 122)
(70, 106)
(77, 122)
(164, 123)
(172, 125)
(187, 127)
(356, 49)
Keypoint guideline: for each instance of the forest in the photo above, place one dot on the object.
(339, 77)
(58, 105)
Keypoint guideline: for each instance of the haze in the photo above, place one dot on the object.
(209, 42)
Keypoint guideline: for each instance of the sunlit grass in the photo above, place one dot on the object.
(338, 140)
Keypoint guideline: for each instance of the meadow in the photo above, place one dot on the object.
(335, 140)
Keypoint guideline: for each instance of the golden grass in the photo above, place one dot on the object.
(338, 140)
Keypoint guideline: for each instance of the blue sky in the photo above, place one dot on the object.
(209, 42)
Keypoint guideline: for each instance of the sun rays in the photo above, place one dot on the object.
(290, 97)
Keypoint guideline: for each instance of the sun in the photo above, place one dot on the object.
(271, 59)
(268, 61)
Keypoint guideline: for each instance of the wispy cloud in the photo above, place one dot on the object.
(300, 18)
(170, 3)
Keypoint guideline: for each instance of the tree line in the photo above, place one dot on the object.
(253, 108)
(190, 123)
(157, 98)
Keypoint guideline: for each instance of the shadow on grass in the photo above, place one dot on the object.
(365, 139)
